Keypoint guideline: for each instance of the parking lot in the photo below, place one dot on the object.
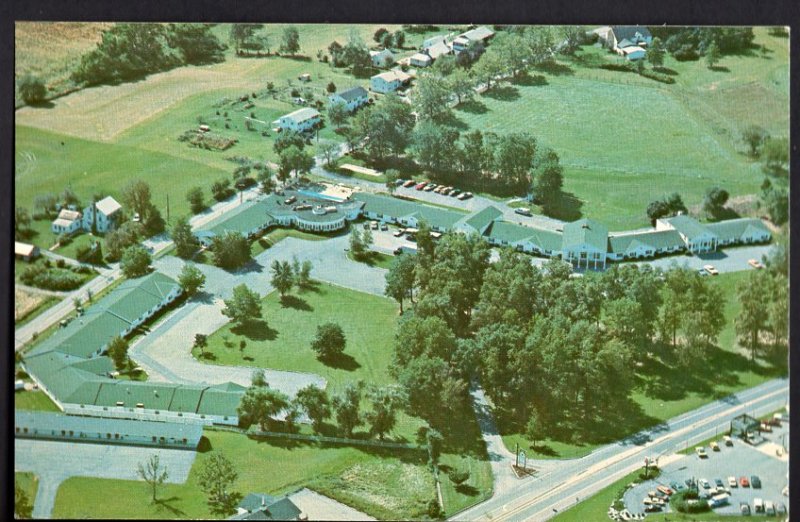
(740, 460)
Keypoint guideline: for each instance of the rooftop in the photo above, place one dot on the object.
(734, 229)
(301, 115)
(353, 93)
(688, 226)
(108, 205)
(399, 208)
(585, 232)
(479, 33)
(394, 74)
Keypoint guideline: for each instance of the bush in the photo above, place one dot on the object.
(64, 239)
(680, 502)
(686, 53)
(58, 280)
(622, 67)
(657, 76)
(90, 254)
(60, 263)
(32, 90)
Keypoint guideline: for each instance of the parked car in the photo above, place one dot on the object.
(704, 484)
(384, 227)
(744, 508)
(409, 183)
(675, 486)
(373, 225)
(780, 509)
(366, 225)
(758, 505)
(522, 211)
(428, 188)
(766, 427)
(755, 481)
(420, 186)
(290, 200)
(710, 269)
(728, 440)
(769, 508)
(701, 452)
(754, 263)
(664, 489)
(690, 483)
(702, 272)
(719, 483)
(714, 446)
(744, 482)
(398, 233)
(732, 482)
(401, 182)
(455, 192)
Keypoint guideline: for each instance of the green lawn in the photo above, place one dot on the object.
(665, 390)
(375, 258)
(50, 162)
(278, 234)
(34, 400)
(41, 307)
(270, 467)
(477, 488)
(29, 484)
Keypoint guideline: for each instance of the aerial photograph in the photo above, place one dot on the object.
(469, 272)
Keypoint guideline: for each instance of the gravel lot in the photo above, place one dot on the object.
(739, 460)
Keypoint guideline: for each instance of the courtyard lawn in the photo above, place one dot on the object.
(374, 258)
(29, 484)
(297, 463)
(47, 162)
(275, 235)
(665, 390)
(34, 400)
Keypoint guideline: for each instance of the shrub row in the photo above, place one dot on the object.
(657, 76)
(58, 280)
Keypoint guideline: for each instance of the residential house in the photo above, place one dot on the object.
(433, 41)
(382, 59)
(67, 222)
(633, 53)
(352, 98)
(420, 60)
(25, 251)
(55, 426)
(300, 120)
(388, 81)
(260, 506)
(437, 49)
(479, 34)
(619, 37)
(108, 212)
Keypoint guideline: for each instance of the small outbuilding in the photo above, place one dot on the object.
(25, 251)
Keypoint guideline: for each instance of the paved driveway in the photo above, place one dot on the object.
(726, 260)
(320, 507)
(53, 462)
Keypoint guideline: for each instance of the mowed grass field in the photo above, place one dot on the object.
(665, 390)
(29, 484)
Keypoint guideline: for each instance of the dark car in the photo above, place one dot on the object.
(719, 483)
(755, 481)
(522, 211)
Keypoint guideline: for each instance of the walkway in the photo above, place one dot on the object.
(53, 462)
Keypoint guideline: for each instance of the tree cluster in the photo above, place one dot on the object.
(667, 206)
(130, 51)
(230, 250)
(763, 320)
(688, 43)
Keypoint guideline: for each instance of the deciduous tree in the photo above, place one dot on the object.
(191, 279)
(216, 476)
(329, 342)
(243, 306)
(152, 472)
(135, 261)
(316, 404)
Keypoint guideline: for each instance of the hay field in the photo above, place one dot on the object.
(51, 50)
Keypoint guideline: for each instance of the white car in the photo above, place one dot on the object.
(732, 482)
(705, 484)
(710, 269)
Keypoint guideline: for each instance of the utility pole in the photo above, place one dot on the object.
(167, 208)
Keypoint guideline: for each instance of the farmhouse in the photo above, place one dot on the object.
(54, 426)
(107, 212)
(259, 506)
(25, 251)
(300, 120)
(352, 98)
(382, 59)
(479, 34)
(389, 81)
(619, 37)
(433, 41)
(67, 222)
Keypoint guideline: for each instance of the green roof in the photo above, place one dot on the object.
(244, 219)
(513, 233)
(131, 393)
(275, 205)
(398, 208)
(186, 399)
(585, 232)
(689, 227)
(736, 229)
(657, 240)
(219, 402)
(484, 218)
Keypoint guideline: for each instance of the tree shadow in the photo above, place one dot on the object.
(292, 301)
(165, 503)
(544, 449)
(555, 68)
(208, 356)
(565, 206)
(311, 286)
(203, 297)
(342, 361)
(257, 330)
(467, 489)
(666, 70)
(528, 80)
(473, 107)
(249, 267)
(502, 93)
(451, 120)
(720, 68)
(723, 214)
(45, 104)
(204, 446)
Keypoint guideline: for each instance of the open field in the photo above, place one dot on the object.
(270, 467)
(29, 484)
(49, 162)
(28, 305)
(52, 50)
(665, 390)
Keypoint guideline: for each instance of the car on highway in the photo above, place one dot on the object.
(714, 446)
(755, 481)
(732, 482)
(704, 484)
(701, 452)
(744, 482)
(522, 211)
(711, 269)
(754, 263)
